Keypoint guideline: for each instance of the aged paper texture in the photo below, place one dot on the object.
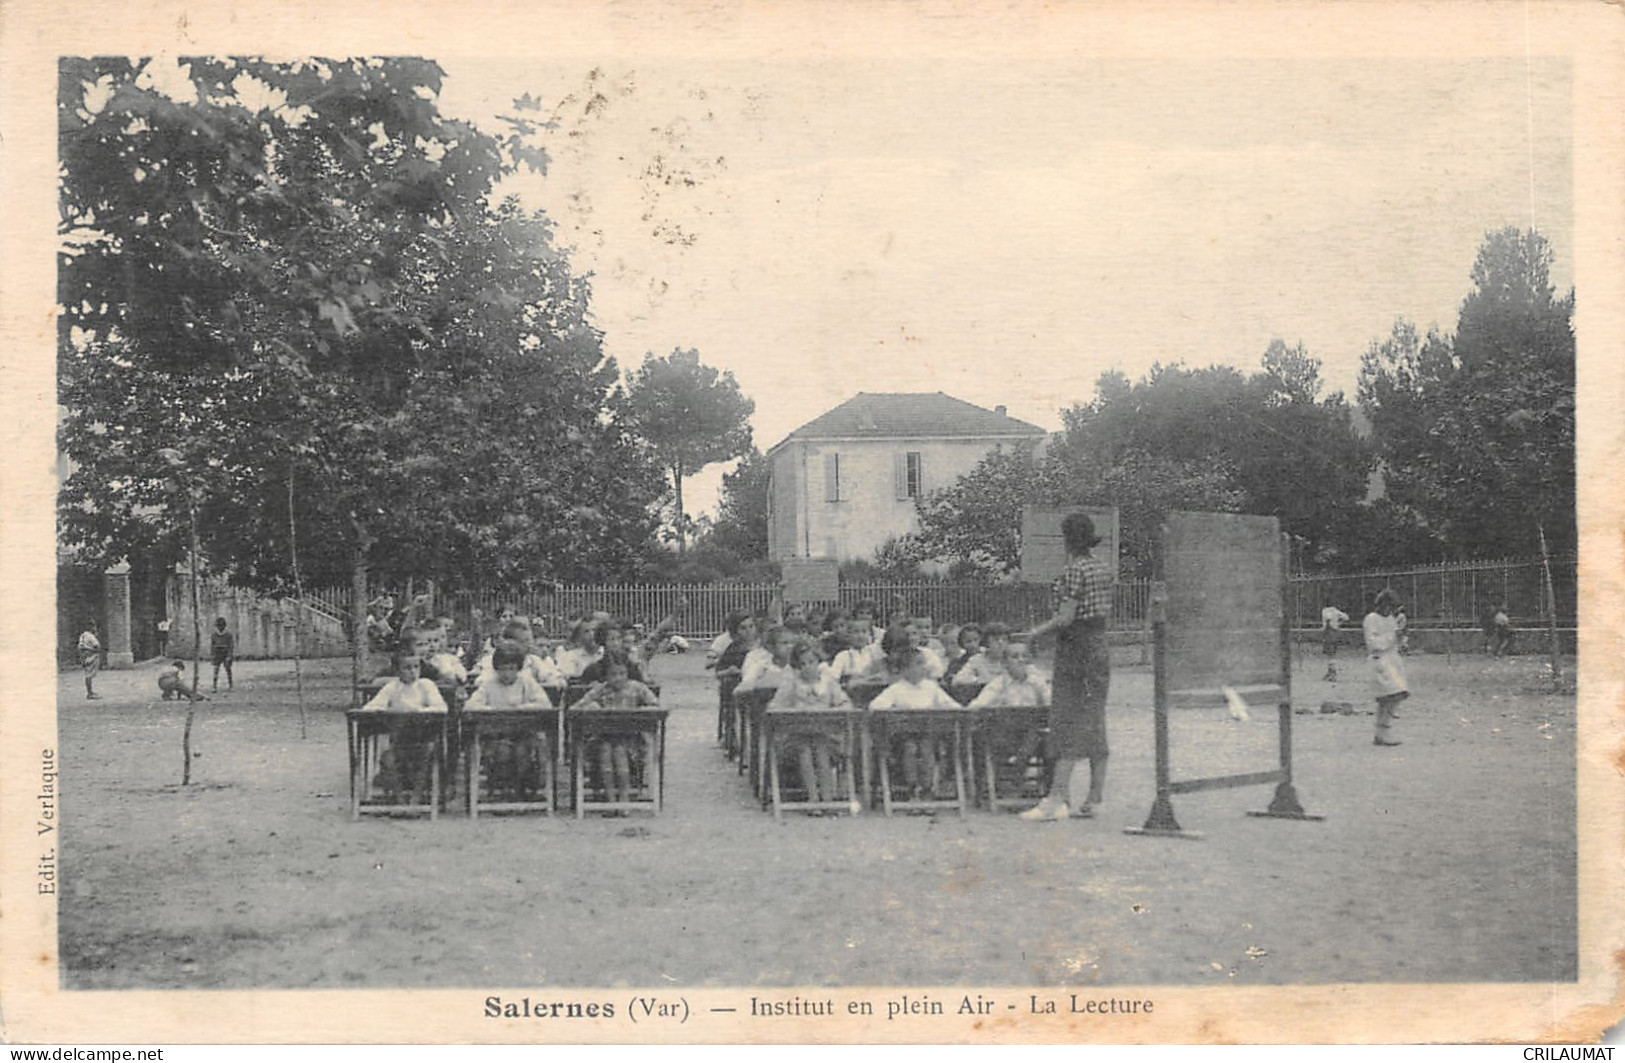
(860, 167)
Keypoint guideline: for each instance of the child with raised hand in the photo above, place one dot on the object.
(172, 681)
(512, 763)
(768, 665)
(616, 755)
(914, 689)
(810, 685)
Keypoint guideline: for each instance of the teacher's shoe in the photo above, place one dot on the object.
(1384, 742)
(1046, 810)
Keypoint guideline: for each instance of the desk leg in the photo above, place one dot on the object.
(471, 772)
(349, 741)
(576, 773)
(959, 766)
(656, 756)
(865, 755)
(882, 758)
(434, 777)
(773, 771)
(851, 753)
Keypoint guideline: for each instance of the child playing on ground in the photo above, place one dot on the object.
(915, 689)
(617, 755)
(222, 651)
(513, 764)
(172, 681)
(810, 685)
(405, 765)
(768, 665)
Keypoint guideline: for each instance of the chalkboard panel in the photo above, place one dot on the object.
(811, 580)
(1223, 579)
(1043, 552)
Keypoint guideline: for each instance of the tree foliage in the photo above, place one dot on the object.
(1208, 439)
(692, 416)
(1476, 430)
(297, 269)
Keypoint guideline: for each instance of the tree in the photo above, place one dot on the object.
(1476, 431)
(296, 270)
(692, 416)
(976, 520)
(741, 524)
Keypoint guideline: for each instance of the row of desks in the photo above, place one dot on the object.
(866, 738)
(433, 743)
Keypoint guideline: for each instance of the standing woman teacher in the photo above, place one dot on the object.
(1077, 716)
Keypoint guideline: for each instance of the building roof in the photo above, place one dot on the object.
(913, 415)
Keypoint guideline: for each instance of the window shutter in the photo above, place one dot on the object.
(832, 477)
(900, 475)
(919, 473)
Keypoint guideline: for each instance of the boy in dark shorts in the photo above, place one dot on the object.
(222, 651)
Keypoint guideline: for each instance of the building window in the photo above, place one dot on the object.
(834, 490)
(910, 475)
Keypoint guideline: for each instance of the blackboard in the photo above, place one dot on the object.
(811, 580)
(1043, 551)
(1223, 578)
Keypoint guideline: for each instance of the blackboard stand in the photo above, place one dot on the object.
(1161, 821)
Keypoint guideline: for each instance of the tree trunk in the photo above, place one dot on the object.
(677, 484)
(197, 643)
(358, 612)
(1549, 593)
(299, 608)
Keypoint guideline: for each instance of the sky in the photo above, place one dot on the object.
(1007, 232)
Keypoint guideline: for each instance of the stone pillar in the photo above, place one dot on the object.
(116, 617)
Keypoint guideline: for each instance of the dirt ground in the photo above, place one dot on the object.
(1448, 859)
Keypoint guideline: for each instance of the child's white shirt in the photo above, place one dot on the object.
(571, 661)
(1005, 689)
(448, 666)
(760, 672)
(523, 693)
(859, 662)
(925, 694)
(979, 669)
(419, 696)
(796, 692)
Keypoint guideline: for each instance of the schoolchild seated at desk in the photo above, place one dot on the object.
(611, 643)
(812, 686)
(436, 662)
(512, 763)
(863, 660)
(906, 635)
(1016, 685)
(618, 754)
(987, 663)
(579, 649)
(406, 764)
(767, 666)
(540, 669)
(914, 689)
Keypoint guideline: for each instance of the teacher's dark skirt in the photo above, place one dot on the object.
(1077, 715)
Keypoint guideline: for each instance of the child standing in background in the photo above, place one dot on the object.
(222, 651)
